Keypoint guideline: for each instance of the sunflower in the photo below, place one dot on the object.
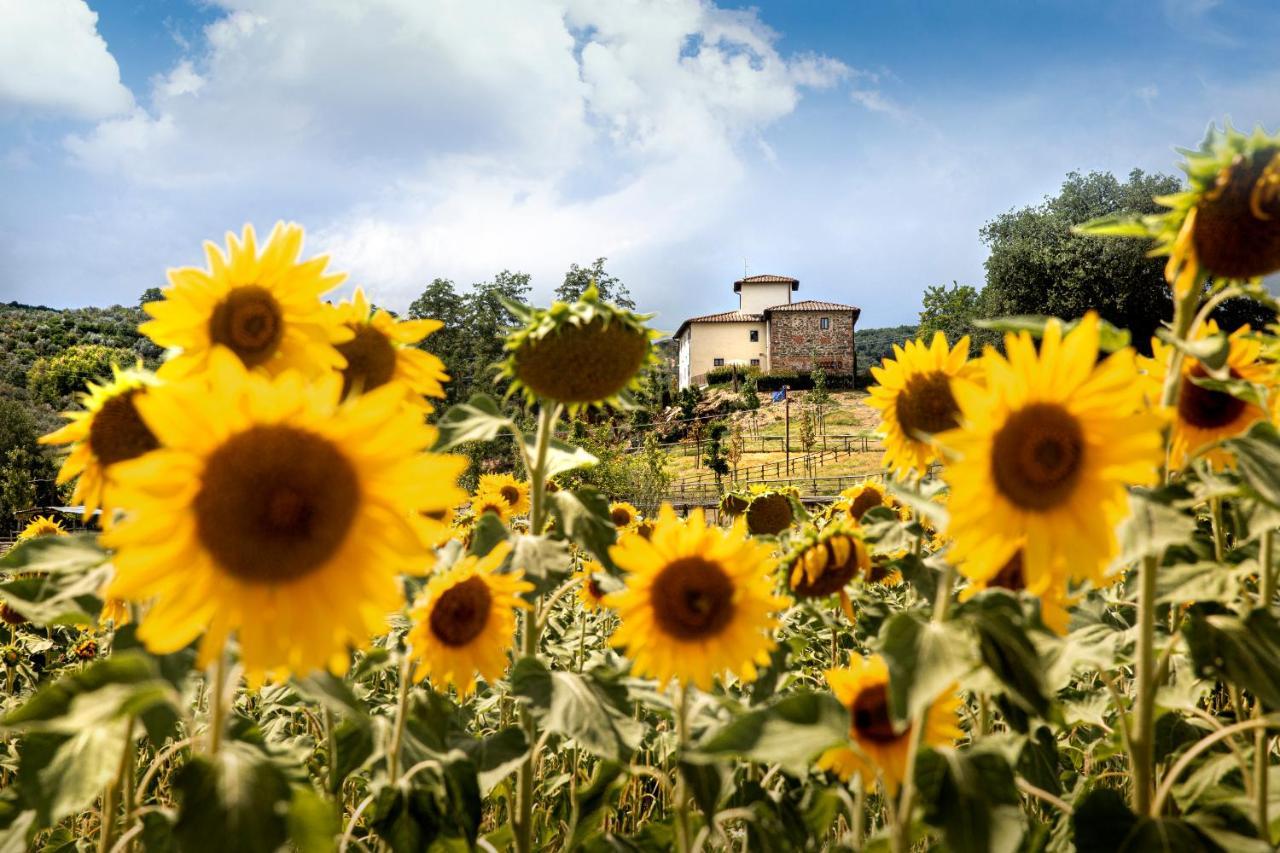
(855, 501)
(1044, 456)
(264, 307)
(879, 744)
(492, 502)
(1227, 224)
(514, 492)
(464, 621)
(42, 525)
(115, 612)
(279, 512)
(1054, 600)
(383, 349)
(10, 656)
(734, 504)
(580, 354)
(769, 513)
(1203, 416)
(824, 563)
(84, 650)
(9, 616)
(698, 601)
(623, 515)
(106, 432)
(590, 593)
(914, 397)
(879, 571)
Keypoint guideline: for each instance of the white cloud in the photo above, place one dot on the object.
(53, 62)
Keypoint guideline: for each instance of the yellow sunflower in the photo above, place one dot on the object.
(623, 515)
(878, 744)
(492, 502)
(277, 512)
(698, 601)
(590, 594)
(1044, 455)
(855, 501)
(464, 621)
(914, 397)
(514, 492)
(382, 349)
(84, 650)
(769, 513)
(105, 433)
(264, 307)
(1054, 600)
(1204, 417)
(42, 525)
(824, 563)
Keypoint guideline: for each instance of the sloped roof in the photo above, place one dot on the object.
(812, 305)
(766, 279)
(722, 317)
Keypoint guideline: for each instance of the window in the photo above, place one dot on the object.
(755, 362)
(717, 362)
(755, 335)
(824, 323)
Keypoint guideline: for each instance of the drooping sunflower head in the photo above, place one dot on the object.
(106, 431)
(383, 349)
(623, 515)
(1045, 454)
(514, 492)
(591, 593)
(489, 501)
(769, 513)
(278, 512)
(10, 656)
(264, 307)
(823, 563)
(464, 621)
(915, 399)
(734, 504)
(85, 649)
(579, 354)
(698, 601)
(879, 745)
(10, 616)
(42, 525)
(1204, 417)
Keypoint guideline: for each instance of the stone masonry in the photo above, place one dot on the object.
(797, 341)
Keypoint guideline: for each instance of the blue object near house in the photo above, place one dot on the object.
(779, 395)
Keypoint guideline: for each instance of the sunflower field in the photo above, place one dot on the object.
(1053, 627)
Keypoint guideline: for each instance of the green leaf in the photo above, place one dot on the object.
(237, 799)
(545, 562)
(971, 796)
(592, 711)
(497, 756)
(312, 821)
(1038, 761)
(1009, 654)
(562, 457)
(1244, 652)
(1211, 351)
(1117, 225)
(80, 767)
(330, 691)
(1201, 582)
(791, 732)
(73, 554)
(1257, 455)
(591, 802)
(925, 659)
(488, 532)
(478, 419)
(1152, 526)
(582, 515)
(1102, 821)
(124, 684)
(353, 745)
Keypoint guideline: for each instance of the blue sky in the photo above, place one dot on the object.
(857, 146)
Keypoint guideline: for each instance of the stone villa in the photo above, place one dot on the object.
(768, 332)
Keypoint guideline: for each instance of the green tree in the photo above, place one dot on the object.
(951, 310)
(750, 394)
(151, 294)
(716, 457)
(819, 396)
(611, 287)
(451, 343)
(26, 474)
(53, 378)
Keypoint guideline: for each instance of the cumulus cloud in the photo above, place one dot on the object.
(54, 62)
(458, 138)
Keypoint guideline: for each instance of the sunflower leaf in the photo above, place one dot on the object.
(582, 515)
(562, 457)
(970, 794)
(1244, 652)
(593, 711)
(1110, 338)
(791, 732)
(1257, 455)
(478, 419)
(925, 659)
(1211, 351)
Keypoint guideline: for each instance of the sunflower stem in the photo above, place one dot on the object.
(1261, 740)
(1219, 531)
(402, 711)
(217, 704)
(683, 829)
(107, 823)
(1142, 735)
(331, 747)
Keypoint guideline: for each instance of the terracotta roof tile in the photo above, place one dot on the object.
(812, 305)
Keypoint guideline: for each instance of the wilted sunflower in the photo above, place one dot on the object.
(1203, 416)
(878, 744)
(1227, 225)
(277, 512)
(1054, 600)
(623, 515)
(106, 432)
(86, 649)
(1044, 457)
(382, 349)
(590, 593)
(580, 354)
(698, 601)
(464, 621)
(492, 502)
(264, 307)
(42, 525)
(824, 563)
(914, 397)
(879, 572)
(511, 490)
(769, 513)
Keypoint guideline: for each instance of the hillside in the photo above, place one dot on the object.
(873, 345)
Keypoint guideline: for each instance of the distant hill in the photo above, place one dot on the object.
(873, 345)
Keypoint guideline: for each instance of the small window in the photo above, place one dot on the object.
(824, 323)
(755, 362)
(755, 335)
(717, 362)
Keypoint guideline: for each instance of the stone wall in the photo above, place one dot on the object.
(796, 341)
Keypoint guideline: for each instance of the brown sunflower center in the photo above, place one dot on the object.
(490, 506)
(510, 494)
(865, 500)
(371, 359)
(275, 503)
(249, 322)
(1038, 456)
(593, 588)
(461, 612)
(692, 599)
(620, 516)
(117, 432)
(769, 514)
(582, 364)
(1204, 407)
(926, 405)
(870, 712)
(10, 616)
(1010, 575)
(733, 505)
(435, 514)
(1237, 225)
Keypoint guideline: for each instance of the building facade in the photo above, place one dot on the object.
(768, 332)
